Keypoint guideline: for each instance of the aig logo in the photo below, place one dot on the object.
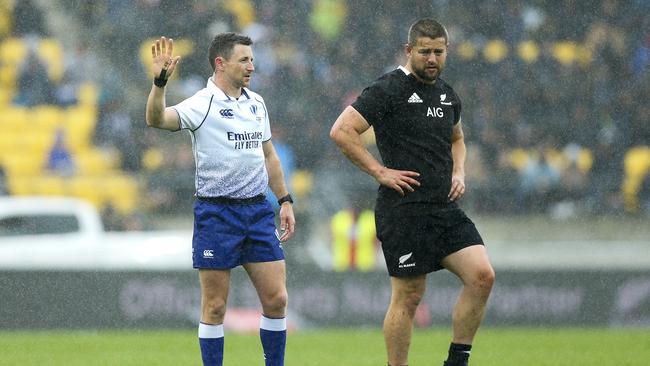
(208, 253)
(226, 113)
(435, 112)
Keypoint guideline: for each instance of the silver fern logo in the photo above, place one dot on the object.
(402, 261)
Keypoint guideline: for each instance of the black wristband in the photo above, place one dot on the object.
(284, 199)
(159, 82)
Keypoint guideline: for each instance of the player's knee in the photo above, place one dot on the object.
(275, 303)
(485, 279)
(214, 308)
(412, 299)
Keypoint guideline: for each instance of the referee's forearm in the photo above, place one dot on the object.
(155, 111)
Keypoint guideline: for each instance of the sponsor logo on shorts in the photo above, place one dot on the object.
(402, 261)
(208, 253)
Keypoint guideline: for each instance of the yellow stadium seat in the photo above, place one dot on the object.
(20, 185)
(302, 182)
(94, 162)
(80, 125)
(5, 18)
(565, 52)
(519, 158)
(636, 164)
(8, 76)
(528, 51)
(585, 160)
(495, 51)
(87, 188)
(46, 118)
(556, 159)
(51, 53)
(38, 142)
(23, 164)
(14, 118)
(467, 50)
(88, 95)
(152, 159)
(49, 185)
(12, 51)
(6, 96)
(122, 191)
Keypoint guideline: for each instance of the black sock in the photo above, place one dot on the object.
(458, 354)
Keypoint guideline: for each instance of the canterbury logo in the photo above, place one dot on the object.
(226, 113)
(405, 257)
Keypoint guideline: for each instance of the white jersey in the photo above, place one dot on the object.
(227, 136)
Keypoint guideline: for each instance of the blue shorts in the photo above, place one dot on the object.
(228, 235)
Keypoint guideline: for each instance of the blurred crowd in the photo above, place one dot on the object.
(555, 93)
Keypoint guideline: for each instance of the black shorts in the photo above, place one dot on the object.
(415, 245)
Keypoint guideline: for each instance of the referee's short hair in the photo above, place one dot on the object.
(427, 27)
(223, 44)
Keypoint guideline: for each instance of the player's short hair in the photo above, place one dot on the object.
(427, 27)
(223, 44)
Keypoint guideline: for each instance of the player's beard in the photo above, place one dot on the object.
(425, 76)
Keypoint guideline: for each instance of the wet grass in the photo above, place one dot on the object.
(493, 347)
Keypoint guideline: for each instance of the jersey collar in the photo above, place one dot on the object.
(221, 95)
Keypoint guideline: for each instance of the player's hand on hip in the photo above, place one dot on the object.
(287, 222)
(401, 181)
(457, 187)
(162, 53)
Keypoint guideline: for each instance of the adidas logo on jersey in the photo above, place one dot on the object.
(415, 99)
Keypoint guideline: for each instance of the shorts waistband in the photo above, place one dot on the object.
(233, 201)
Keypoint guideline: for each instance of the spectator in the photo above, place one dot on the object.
(34, 85)
(28, 20)
(59, 159)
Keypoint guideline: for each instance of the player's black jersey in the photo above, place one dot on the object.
(413, 124)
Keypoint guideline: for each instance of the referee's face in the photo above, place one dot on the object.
(427, 58)
(239, 67)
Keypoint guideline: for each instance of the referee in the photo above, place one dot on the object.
(235, 163)
(417, 124)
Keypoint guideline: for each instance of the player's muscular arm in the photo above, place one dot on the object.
(164, 63)
(458, 153)
(346, 132)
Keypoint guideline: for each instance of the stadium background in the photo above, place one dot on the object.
(555, 107)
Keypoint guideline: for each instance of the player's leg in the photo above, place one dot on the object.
(214, 296)
(398, 323)
(216, 245)
(269, 281)
(263, 259)
(472, 266)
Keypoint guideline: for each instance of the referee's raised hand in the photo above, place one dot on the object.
(164, 62)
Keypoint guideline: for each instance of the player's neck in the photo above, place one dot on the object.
(226, 87)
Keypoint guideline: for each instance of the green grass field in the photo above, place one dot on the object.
(493, 347)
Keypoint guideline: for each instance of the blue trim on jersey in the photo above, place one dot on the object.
(228, 235)
(243, 91)
(206, 114)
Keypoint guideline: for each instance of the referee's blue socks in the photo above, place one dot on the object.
(273, 334)
(211, 342)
